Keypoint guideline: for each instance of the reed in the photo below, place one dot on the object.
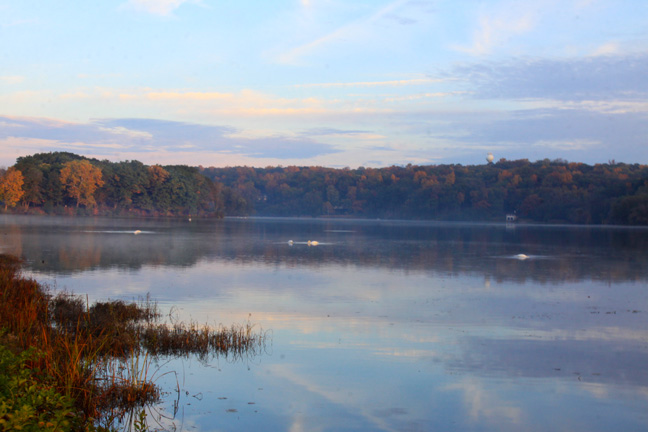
(182, 339)
(99, 356)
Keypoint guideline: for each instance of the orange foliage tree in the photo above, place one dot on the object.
(11, 187)
(81, 179)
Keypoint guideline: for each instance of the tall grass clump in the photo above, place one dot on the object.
(182, 339)
(93, 362)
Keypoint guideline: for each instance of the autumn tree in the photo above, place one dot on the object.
(11, 187)
(81, 179)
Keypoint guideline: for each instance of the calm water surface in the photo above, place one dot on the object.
(383, 326)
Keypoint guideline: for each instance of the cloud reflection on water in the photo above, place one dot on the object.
(391, 326)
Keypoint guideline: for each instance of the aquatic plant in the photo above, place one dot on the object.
(29, 401)
(96, 360)
(203, 340)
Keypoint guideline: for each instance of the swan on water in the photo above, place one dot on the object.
(521, 256)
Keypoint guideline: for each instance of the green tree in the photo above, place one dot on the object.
(32, 187)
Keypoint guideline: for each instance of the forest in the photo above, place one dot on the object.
(66, 183)
(545, 191)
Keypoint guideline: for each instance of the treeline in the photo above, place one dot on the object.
(544, 191)
(66, 183)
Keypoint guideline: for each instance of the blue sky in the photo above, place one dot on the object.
(325, 82)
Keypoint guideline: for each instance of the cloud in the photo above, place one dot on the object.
(485, 406)
(154, 136)
(173, 136)
(393, 83)
(11, 80)
(356, 134)
(334, 131)
(569, 145)
(572, 134)
(608, 361)
(590, 109)
(583, 78)
(348, 32)
(51, 129)
(122, 131)
(401, 20)
(306, 389)
(18, 22)
(422, 96)
(609, 107)
(496, 28)
(550, 125)
(188, 96)
(243, 103)
(156, 7)
(609, 48)
(14, 147)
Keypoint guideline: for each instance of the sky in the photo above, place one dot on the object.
(325, 82)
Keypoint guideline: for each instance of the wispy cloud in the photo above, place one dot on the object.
(19, 22)
(122, 131)
(17, 146)
(147, 135)
(485, 406)
(496, 27)
(13, 79)
(355, 134)
(309, 389)
(250, 103)
(569, 145)
(348, 32)
(392, 83)
(188, 96)
(577, 78)
(573, 134)
(157, 7)
(609, 48)
(419, 96)
(607, 107)
(98, 75)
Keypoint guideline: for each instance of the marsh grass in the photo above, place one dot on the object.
(180, 339)
(101, 356)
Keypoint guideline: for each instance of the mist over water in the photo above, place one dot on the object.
(382, 325)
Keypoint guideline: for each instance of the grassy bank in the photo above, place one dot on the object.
(66, 365)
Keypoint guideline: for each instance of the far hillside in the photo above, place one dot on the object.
(544, 191)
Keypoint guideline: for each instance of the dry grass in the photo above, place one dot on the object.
(100, 354)
(202, 340)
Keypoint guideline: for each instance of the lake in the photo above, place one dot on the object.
(381, 326)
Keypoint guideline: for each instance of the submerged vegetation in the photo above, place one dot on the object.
(67, 366)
